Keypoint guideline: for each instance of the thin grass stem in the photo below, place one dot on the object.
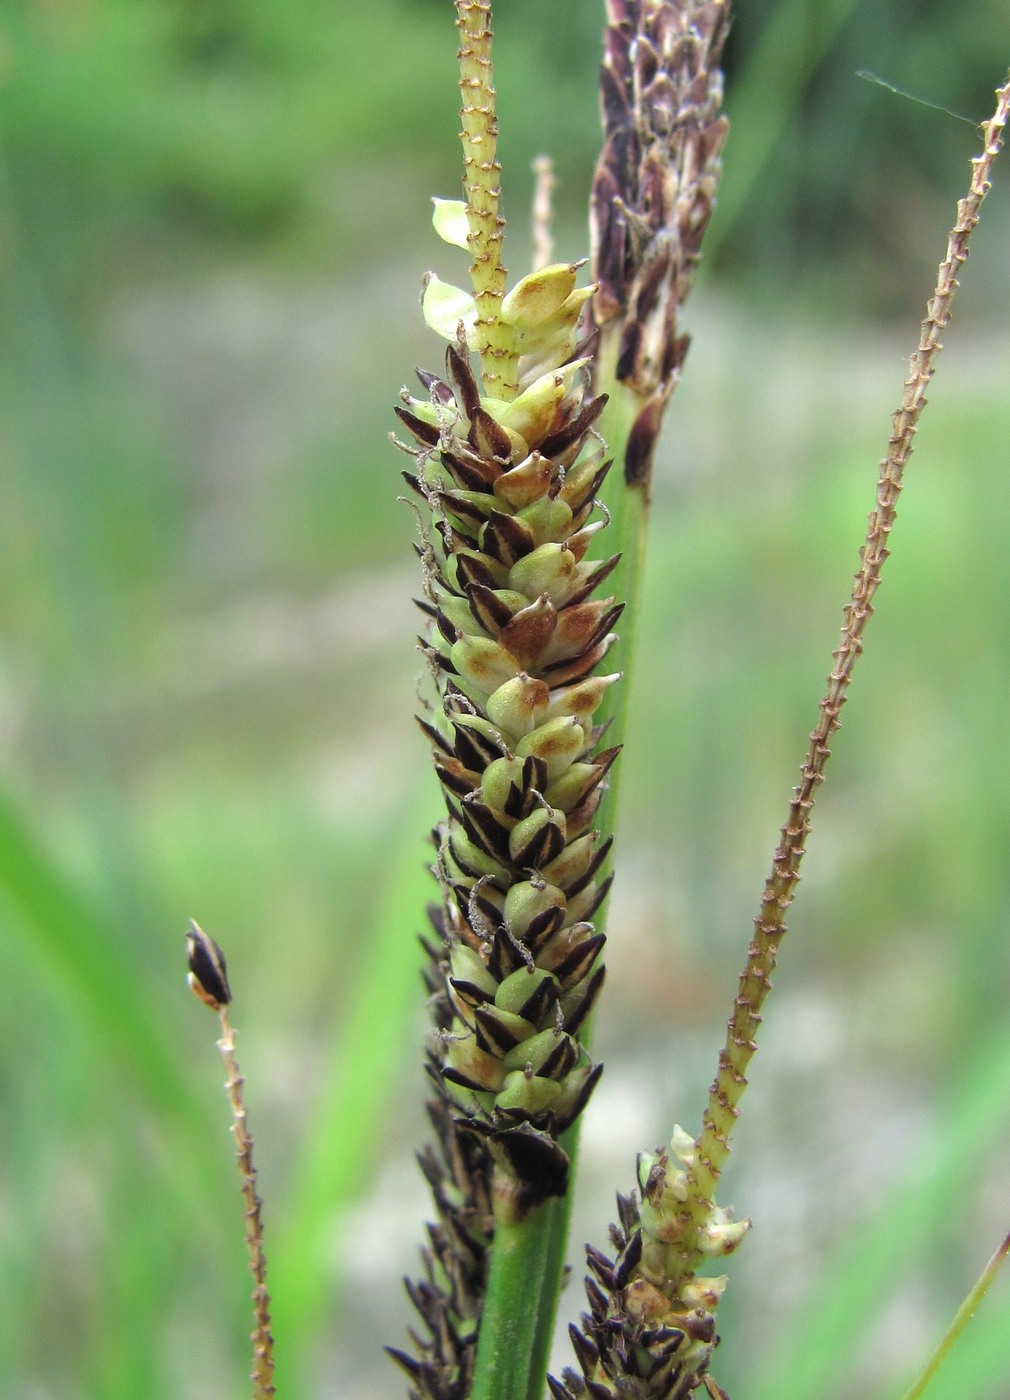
(208, 978)
(960, 1320)
(262, 1337)
(713, 1144)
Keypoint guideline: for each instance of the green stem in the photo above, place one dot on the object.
(962, 1317)
(517, 1324)
(557, 1219)
(510, 1365)
(713, 1144)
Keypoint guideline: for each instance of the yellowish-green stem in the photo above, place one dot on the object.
(481, 183)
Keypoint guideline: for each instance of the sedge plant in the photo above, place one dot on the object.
(531, 448)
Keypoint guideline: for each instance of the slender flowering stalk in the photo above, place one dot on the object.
(493, 340)
(507, 471)
(961, 1319)
(650, 1331)
(208, 977)
(712, 1147)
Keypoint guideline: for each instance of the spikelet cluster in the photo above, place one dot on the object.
(650, 1333)
(509, 489)
(653, 193)
(507, 473)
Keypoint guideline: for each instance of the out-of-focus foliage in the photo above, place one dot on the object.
(241, 120)
(213, 223)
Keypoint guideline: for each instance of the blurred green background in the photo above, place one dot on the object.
(213, 222)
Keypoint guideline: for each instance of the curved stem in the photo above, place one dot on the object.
(712, 1148)
(960, 1321)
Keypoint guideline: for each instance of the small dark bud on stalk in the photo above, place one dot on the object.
(208, 977)
(208, 973)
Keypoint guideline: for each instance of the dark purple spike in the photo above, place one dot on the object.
(448, 629)
(473, 748)
(606, 623)
(413, 1368)
(462, 379)
(561, 1059)
(467, 512)
(454, 541)
(598, 897)
(575, 669)
(468, 471)
(539, 1164)
(456, 1076)
(642, 442)
(534, 774)
(425, 1299)
(601, 1267)
(558, 1391)
(664, 1342)
(433, 384)
(486, 908)
(597, 1300)
(435, 657)
(586, 1352)
(629, 1260)
(456, 778)
(208, 972)
(627, 1211)
(518, 803)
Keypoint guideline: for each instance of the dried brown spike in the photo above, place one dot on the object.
(208, 973)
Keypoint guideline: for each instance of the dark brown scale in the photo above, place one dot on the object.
(543, 846)
(485, 830)
(489, 611)
(506, 538)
